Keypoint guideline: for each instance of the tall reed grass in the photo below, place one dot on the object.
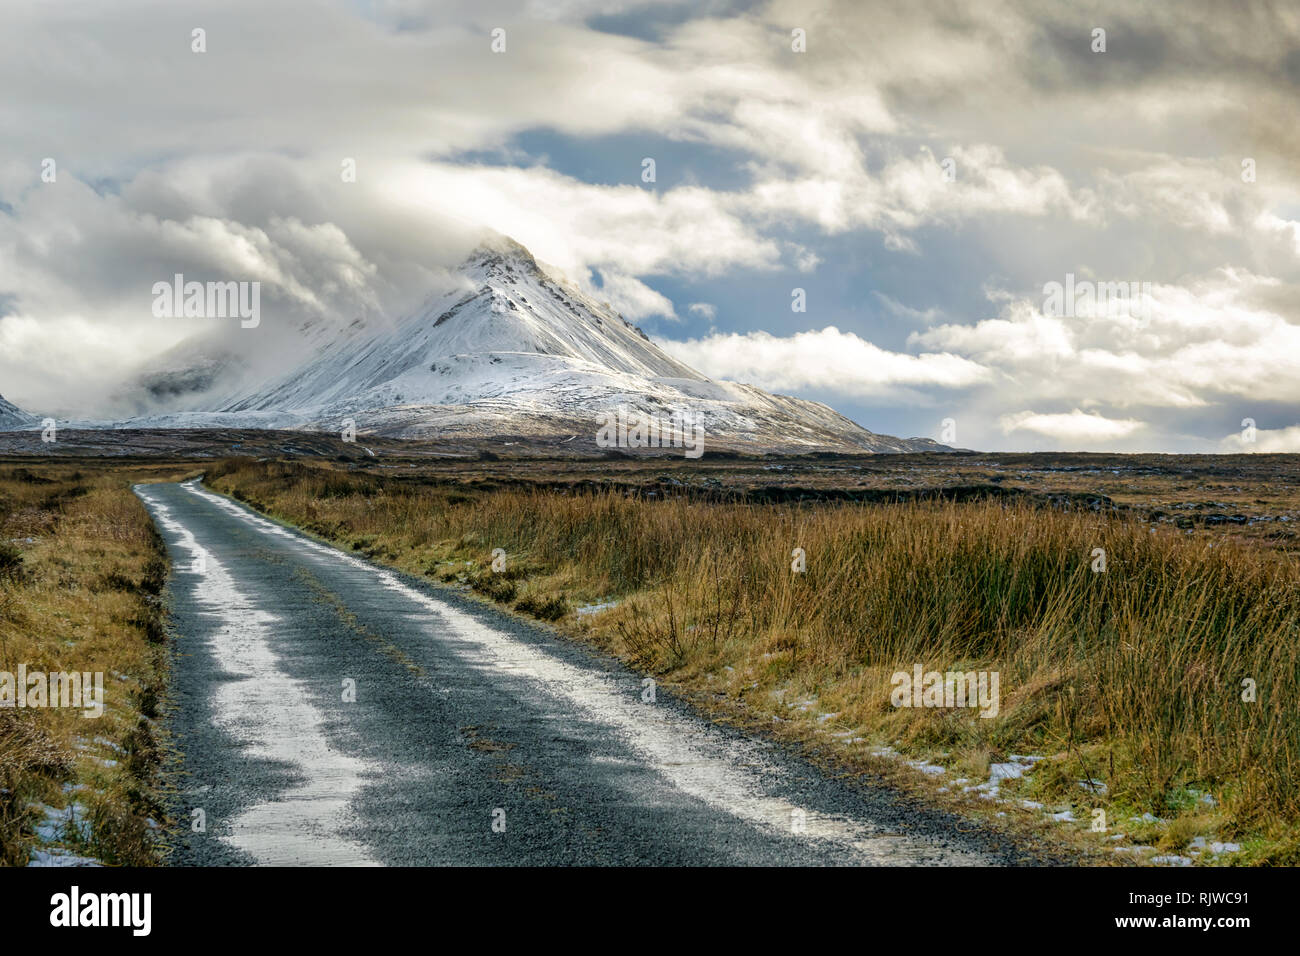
(1138, 676)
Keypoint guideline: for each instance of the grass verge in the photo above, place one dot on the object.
(1157, 694)
(81, 574)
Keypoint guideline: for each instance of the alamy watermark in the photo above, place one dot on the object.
(75, 689)
(208, 300)
(947, 689)
(632, 428)
(1072, 299)
(74, 908)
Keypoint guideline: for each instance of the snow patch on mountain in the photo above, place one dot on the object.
(509, 348)
(13, 418)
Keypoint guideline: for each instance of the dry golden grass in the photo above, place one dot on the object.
(1132, 677)
(81, 570)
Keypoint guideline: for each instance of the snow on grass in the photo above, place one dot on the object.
(57, 856)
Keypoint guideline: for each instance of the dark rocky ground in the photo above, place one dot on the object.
(1256, 497)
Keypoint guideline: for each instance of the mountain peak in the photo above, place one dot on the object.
(498, 252)
(520, 352)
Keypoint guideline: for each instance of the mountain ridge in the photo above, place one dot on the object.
(514, 348)
(12, 417)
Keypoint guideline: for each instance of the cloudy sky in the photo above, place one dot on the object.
(922, 171)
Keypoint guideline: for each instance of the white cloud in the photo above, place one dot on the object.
(915, 316)
(1063, 161)
(912, 191)
(1217, 335)
(1266, 441)
(633, 298)
(1073, 429)
(825, 359)
(577, 225)
(1025, 336)
(1288, 228)
(77, 270)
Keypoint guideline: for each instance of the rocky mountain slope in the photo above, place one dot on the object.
(12, 417)
(514, 349)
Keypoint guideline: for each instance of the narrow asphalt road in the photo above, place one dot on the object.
(331, 712)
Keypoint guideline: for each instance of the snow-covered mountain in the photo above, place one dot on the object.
(12, 417)
(514, 350)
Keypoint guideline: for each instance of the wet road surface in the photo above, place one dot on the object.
(331, 712)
